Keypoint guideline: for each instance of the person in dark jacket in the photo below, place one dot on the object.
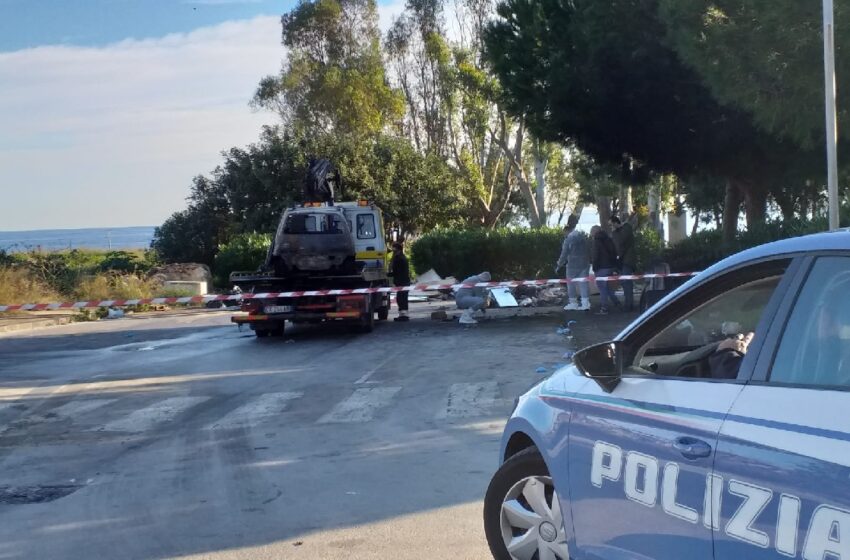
(725, 362)
(400, 272)
(603, 256)
(624, 242)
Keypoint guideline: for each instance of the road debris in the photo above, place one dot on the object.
(113, 313)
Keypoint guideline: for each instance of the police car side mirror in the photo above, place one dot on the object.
(600, 363)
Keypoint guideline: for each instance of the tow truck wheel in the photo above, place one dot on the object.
(261, 333)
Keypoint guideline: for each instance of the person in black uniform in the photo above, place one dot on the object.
(400, 272)
(726, 360)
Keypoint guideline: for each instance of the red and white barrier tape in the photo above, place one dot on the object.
(311, 293)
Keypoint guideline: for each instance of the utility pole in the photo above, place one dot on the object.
(831, 125)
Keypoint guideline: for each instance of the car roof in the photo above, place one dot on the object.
(838, 240)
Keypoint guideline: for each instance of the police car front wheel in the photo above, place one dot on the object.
(522, 514)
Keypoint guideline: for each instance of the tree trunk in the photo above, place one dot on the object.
(755, 205)
(514, 167)
(578, 209)
(805, 201)
(696, 223)
(603, 206)
(500, 202)
(677, 224)
(786, 205)
(540, 179)
(731, 209)
(654, 204)
(626, 205)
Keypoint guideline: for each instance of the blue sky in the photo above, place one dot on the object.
(109, 108)
(31, 23)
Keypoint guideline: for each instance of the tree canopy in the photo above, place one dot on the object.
(250, 189)
(333, 78)
(487, 113)
(765, 57)
(602, 73)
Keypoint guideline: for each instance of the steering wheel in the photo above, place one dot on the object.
(695, 362)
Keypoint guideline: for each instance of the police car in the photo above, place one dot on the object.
(716, 426)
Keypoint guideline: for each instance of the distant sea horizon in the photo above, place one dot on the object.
(117, 238)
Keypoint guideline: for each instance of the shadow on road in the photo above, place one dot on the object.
(162, 487)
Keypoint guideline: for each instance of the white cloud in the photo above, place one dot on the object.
(112, 136)
(388, 12)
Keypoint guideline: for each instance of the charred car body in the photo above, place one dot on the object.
(319, 246)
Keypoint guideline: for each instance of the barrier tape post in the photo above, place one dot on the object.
(313, 293)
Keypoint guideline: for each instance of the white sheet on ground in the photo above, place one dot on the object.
(504, 297)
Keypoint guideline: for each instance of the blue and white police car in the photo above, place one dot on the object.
(715, 427)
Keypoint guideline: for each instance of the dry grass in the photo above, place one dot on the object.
(115, 286)
(17, 285)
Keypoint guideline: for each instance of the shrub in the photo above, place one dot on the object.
(19, 285)
(124, 261)
(505, 253)
(113, 285)
(649, 247)
(705, 248)
(697, 252)
(64, 271)
(246, 251)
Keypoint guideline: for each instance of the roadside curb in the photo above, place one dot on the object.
(32, 324)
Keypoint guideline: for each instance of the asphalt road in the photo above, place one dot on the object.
(183, 437)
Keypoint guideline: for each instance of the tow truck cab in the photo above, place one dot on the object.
(319, 250)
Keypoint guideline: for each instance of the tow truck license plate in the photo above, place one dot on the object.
(277, 309)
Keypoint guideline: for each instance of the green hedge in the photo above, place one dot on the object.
(508, 254)
(697, 252)
(246, 251)
(705, 248)
(529, 254)
(505, 253)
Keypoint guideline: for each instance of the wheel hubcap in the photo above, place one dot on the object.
(532, 524)
(548, 532)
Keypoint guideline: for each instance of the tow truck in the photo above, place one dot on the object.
(320, 246)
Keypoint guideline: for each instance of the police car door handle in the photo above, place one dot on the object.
(692, 448)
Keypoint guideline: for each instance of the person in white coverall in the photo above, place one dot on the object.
(472, 299)
(575, 254)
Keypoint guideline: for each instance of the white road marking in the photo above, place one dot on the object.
(374, 370)
(148, 417)
(361, 406)
(469, 399)
(365, 377)
(80, 407)
(254, 412)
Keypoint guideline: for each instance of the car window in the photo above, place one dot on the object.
(688, 345)
(366, 226)
(815, 347)
(312, 223)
